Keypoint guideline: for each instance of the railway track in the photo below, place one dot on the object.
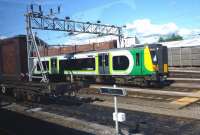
(101, 107)
(159, 97)
(171, 98)
(102, 114)
(93, 93)
(164, 96)
(184, 74)
(6, 132)
(167, 97)
(170, 91)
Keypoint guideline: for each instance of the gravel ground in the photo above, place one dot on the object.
(137, 122)
(12, 123)
(146, 123)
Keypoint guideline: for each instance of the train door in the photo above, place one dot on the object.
(54, 66)
(103, 63)
(138, 62)
(162, 59)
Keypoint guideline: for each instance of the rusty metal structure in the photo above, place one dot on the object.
(36, 19)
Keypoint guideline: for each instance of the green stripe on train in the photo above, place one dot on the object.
(140, 68)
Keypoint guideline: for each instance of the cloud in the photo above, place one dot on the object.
(88, 38)
(96, 12)
(145, 27)
(184, 32)
(2, 37)
(173, 3)
(149, 32)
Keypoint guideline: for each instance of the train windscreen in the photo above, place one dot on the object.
(154, 55)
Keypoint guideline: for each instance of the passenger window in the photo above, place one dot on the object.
(137, 59)
(38, 67)
(100, 60)
(120, 63)
(106, 60)
(78, 64)
(45, 65)
(53, 62)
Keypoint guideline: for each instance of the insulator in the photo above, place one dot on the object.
(32, 7)
(124, 26)
(98, 21)
(40, 8)
(51, 11)
(67, 18)
(59, 9)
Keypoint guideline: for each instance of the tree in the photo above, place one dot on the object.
(173, 37)
(161, 39)
(137, 41)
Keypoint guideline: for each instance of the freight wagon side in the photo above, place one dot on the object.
(13, 58)
(52, 51)
(0, 63)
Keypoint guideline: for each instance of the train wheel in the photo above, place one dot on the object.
(38, 99)
(145, 84)
(27, 97)
(3, 89)
(73, 93)
(18, 96)
(15, 94)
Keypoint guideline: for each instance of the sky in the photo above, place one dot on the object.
(143, 18)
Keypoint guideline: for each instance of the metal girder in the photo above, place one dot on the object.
(36, 20)
(32, 46)
(56, 24)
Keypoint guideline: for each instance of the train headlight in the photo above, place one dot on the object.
(155, 67)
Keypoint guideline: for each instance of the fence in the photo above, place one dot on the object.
(184, 56)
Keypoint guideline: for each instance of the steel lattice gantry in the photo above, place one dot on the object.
(56, 24)
(32, 46)
(36, 20)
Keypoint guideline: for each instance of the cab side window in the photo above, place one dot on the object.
(137, 59)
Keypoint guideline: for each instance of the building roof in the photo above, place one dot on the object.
(183, 43)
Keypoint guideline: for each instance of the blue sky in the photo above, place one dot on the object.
(144, 17)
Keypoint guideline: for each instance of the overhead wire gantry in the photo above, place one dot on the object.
(36, 19)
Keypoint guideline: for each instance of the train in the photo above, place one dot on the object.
(142, 65)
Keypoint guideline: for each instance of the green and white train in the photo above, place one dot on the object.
(144, 64)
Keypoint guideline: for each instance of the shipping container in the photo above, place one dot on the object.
(184, 56)
(59, 50)
(105, 45)
(69, 49)
(53, 51)
(195, 50)
(84, 48)
(13, 57)
(0, 63)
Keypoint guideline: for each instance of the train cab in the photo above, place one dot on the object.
(159, 55)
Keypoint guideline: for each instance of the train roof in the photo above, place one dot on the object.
(126, 48)
(150, 45)
(114, 49)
